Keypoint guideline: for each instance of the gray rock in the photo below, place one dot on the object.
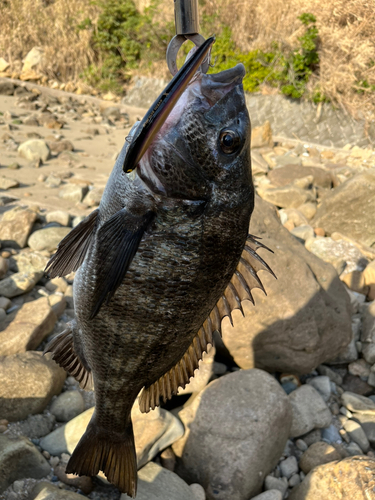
(286, 175)
(73, 192)
(93, 197)
(273, 483)
(60, 146)
(303, 233)
(59, 216)
(312, 437)
(322, 385)
(32, 324)
(328, 372)
(15, 227)
(67, 406)
(144, 92)
(45, 491)
(344, 256)
(153, 432)
(269, 495)
(4, 266)
(288, 467)
(346, 209)
(368, 425)
(286, 197)
(368, 352)
(7, 183)
(19, 458)
(353, 449)
(331, 435)
(6, 87)
(368, 324)
(19, 283)
(234, 416)
(28, 381)
(305, 318)
(357, 434)
(34, 150)
(155, 483)
(29, 262)
(308, 210)
(356, 403)
(309, 411)
(198, 491)
(318, 454)
(48, 238)
(37, 426)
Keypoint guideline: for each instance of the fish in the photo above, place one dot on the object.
(165, 257)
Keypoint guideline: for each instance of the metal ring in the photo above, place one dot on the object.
(175, 45)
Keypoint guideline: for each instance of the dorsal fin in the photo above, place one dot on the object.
(243, 281)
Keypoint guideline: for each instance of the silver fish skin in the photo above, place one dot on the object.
(154, 262)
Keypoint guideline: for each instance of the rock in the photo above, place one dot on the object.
(273, 483)
(288, 467)
(144, 92)
(93, 197)
(27, 383)
(4, 266)
(154, 483)
(306, 316)
(341, 254)
(287, 175)
(6, 88)
(73, 193)
(60, 146)
(331, 374)
(322, 385)
(29, 262)
(355, 280)
(19, 458)
(36, 426)
(7, 183)
(19, 283)
(357, 403)
(293, 215)
(15, 227)
(33, 322)
(269, 495)
(369, 353)
(308, 210)
(5, 303)
(33, 59)
(261, 136)
(59, 216)
(346, 209)
(202, 375)
(309, 411)
(286, 197)
(367, 423)
(303, 233)
(57, 285)
(58, 304)
(83, 483)
(31, 121)
(153, 432)
(244, 407)
(359, 368)
(353, 449)
(357, 435)
(67, 406)
(369, 276)
(48, 238)
(368, 325)
(318, 454)
(45, 491)
(34, 150)
(349, 479)
(198, 491)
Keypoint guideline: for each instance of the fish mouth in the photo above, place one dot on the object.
(215, 86)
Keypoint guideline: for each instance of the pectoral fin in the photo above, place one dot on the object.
(117, 243)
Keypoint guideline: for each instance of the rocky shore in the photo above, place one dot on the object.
(282, 407)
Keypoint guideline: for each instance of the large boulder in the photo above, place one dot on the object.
(348, 209)
(236, 430)
(305, 318)
(350, 479)
(27, 383)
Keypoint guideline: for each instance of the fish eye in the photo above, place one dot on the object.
(229, 140)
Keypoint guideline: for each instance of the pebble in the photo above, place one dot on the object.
(47, 239)
(269, 495)
(73, 193)
(198, 491)
(59, 216)
(301, 445)
(34, 150)
(353, 449)
(356, 403)
(318, 454)
(357, 434)
(331, 434)
(67, 406)
(289, 467)
(273, 483)
(294, 480)
(309, 411)
(322, 385)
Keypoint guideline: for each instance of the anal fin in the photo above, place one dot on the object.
(62, 349)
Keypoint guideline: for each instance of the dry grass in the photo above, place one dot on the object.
(346, 28)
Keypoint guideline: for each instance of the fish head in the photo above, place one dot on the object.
(204, 144)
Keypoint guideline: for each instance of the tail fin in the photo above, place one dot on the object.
(116, 457)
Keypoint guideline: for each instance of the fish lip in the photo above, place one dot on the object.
(215, 86)
(229, 76)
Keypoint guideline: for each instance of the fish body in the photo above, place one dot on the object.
(158, 267)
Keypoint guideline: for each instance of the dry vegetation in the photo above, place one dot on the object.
(346, 32)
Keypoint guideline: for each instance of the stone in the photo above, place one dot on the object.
(5, 303)
(357, 403)
(355, 280)
(287, 196)
(262, 136)
(331, 374)
(368, 352)
(37, 426)
(353, 449)
(56, 285)
(367, 423)
(346, 209)
(274, 483)
(305, 318)
(28, 381)
(244, 407)
(28, 261)
(303, 233)
(309, 411)
(368, 323)
(318, 454)
(6, 88)
(34, 150)
(33, 59)
(323, 385)
(153, 432)
(202, 375)
(19, 283)
(67, 406)
(308, 210)
(198, 491)
(19, 458)
(60, 146)
(350, 479)
(283, 176)
(341, 254)
(73, 193)
(4, 266)
(33, 323)
(83, 483)
(357, 435)
(45, 491)
(7, 183)
(359, 368)
(93, 197)
(269, 495)
(369, 276)
(15, 227)
(48, 238)
(155, 482)
(58, 304)
(288, 467)
(59, 216)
